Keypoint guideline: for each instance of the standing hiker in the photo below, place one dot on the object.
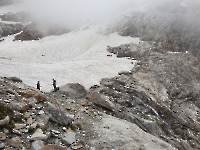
(38, 85)
(54, 85)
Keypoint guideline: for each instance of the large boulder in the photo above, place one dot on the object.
(56, 115)
(100, 100)
(73, 90)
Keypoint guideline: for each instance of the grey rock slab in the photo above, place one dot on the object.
(68, 138)
(101, 100)
(122, 134)
(73, 90)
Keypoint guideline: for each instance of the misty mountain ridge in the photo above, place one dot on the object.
(171, 24)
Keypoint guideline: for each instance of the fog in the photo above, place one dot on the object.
(71, 14)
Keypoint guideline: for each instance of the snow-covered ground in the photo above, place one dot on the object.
(79, 56)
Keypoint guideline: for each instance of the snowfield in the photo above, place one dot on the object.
(76, 57)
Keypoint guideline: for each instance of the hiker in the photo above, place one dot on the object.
(54, 85)
(38, 85)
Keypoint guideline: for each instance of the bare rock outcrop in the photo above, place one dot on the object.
(10, 29)
(101, 100)
(56, 115)
(73, 90)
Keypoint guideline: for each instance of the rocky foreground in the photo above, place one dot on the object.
(71, 118)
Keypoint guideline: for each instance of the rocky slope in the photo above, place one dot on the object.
(160, 94)
(30, 119)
